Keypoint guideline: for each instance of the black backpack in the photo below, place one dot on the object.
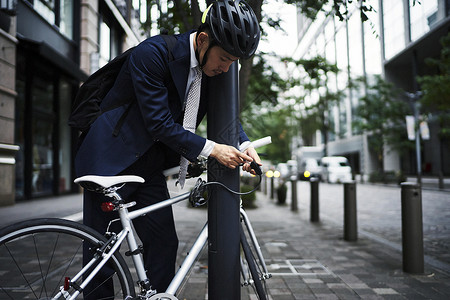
(86, 107)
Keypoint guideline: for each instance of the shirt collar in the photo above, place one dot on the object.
(194, 63)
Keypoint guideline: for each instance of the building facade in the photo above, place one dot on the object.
(394, 43)
(48, 47)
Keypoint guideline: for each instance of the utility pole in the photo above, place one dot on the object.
(223, 207)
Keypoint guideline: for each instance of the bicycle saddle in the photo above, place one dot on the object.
(93, 182)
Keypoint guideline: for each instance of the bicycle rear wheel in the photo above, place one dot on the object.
(38, 257)
(251, 266)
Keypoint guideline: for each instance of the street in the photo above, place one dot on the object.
(379, 214)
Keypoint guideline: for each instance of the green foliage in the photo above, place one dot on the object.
(261, 112)
(248, 201)
(282, 193)
(381, 114)
(387, 177)
(436, 88)
(314, 81)
(272, 123)
(339, 7)
(264, 84)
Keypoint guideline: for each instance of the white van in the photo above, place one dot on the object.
(335, 169)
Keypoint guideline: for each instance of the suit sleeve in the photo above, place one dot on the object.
(242, 135)
(148, 66)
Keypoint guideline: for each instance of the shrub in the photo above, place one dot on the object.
(248, 201)
(282, 193)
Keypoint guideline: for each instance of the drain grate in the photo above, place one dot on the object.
(297, 267)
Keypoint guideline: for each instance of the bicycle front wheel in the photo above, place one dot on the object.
(40, 257)
(251, 266)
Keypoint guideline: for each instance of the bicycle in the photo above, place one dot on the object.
(56, 272)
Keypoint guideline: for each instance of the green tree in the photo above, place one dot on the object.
(315, 117)
(258, 84)
(274, 123)
(382, 116)
(436, 88)
(436, 97)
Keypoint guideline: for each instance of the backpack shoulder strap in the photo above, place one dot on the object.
(170, 41)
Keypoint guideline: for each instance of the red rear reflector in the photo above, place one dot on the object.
(66, 283)
(107, 206)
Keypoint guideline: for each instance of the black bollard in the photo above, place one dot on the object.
(272, 187)
(412, 228)
(314, 200)
(294, 206)
(265, 185)
(350, 217)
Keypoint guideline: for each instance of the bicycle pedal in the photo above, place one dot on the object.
(139, 250)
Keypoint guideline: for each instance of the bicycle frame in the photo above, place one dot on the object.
(128, 233)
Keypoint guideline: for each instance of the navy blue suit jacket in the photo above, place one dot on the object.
(155, 113)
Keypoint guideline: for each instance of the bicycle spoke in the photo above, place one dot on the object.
(69, 264)
(20, 270)
(39, 257)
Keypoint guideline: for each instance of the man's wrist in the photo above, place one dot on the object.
(208, 148)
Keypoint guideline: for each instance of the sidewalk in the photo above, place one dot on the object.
(312, 261)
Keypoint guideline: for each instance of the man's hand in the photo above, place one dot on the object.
(229, 156)
(250, 151)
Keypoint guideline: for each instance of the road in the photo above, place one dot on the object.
(379, 214)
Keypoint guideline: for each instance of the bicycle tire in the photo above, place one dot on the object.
(36, 256)
(252, 266)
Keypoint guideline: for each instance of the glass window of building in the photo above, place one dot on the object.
(330, 47)
(46, 8)
(104, 44)
(355, 40)
(56, 12)
(64, 155)
(394, 30)
(341, 56)
(372, 43)
(422, 17)
(66, 18)
(44, 95)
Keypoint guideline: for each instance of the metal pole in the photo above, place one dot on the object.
(294, 206)
(265, 184)
(416, 120)
(223, 207)
(272, 187)
(314, 200)
(412, 228)
(350, 217)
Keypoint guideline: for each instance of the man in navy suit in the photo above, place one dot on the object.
(152, 137)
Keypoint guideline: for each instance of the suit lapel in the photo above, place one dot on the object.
(179, 67)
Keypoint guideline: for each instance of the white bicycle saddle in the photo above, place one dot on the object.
(108, 181)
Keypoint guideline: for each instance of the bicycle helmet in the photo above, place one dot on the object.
(233, 26)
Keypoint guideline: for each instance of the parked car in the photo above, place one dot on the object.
(335, 169)
(309, 168)
(283, 168)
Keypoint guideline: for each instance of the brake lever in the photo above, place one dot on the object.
(256, 167)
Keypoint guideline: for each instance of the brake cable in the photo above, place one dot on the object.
(200, 189)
